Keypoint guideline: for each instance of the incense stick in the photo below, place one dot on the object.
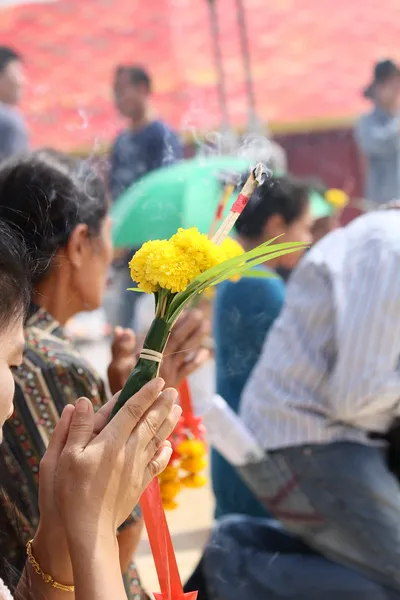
(256, 178)
(226, 194)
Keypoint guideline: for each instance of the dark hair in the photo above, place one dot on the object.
(14, 301)
(7, 55)
(44, 196)
(14, 277)
(284, 196)
(137, 75)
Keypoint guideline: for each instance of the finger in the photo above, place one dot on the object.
(165, 430)
(153, 419)
(184, 328)
(124, 342)
(189, 347)
(128, 417)
(81, 427)
(103, 415)
(189, 367)
(60, 434)
(157, 464)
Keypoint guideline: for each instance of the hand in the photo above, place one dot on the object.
(184, 352)
(51, 533)
(124, 358)
(100, 479)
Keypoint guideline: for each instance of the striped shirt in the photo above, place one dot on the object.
(329, 369)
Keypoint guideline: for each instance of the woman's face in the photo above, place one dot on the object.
(11, 354)
(92, 258)
(299, 230)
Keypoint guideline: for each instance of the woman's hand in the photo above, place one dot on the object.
(184, 352)
(124, 358)
(100, 479)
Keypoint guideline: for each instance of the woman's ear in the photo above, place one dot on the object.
(78, 245)
(274, 226)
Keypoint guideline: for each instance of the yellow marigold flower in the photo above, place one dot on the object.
(138, 266)
(194, 481)
(337, 198)
(170, 489)
(193, 465)
(170, 473)
(191, 448)
(231, 248)
(169, 504)
(173, 264)
(197, 248)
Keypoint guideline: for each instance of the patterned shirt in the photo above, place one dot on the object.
(52, 375)
(329, 369)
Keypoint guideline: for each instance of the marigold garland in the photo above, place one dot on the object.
(185, 468)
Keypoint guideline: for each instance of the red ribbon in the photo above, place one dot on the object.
(158, 531)
(185, 399)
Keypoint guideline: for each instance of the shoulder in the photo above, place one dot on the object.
(120, 140)
(250, 291)
(54, 363)
(10, 116)
(161, 131)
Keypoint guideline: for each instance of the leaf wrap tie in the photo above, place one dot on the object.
(153, 355)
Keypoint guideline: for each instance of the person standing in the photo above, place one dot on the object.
(13, 132)
(378, 135)
(144, 145)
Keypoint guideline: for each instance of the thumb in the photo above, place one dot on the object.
(81, 427)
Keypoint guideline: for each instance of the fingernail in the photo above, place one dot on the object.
(82, 405)
(168, 452)
(176, 410)
(160, 383)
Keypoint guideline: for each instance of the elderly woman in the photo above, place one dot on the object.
(60, 209)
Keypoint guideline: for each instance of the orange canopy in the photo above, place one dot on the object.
(310, 59)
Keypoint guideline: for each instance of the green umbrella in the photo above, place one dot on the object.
(183, 195)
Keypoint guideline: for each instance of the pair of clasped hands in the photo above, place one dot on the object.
(95, 470)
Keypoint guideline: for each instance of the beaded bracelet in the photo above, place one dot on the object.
(46, 578)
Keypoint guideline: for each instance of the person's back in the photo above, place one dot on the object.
(307, 394)
(324, 395)
(13, 133)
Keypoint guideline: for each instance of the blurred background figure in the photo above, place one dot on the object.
(145, 145)
(13, 132)
(378, 135)
(246, 309)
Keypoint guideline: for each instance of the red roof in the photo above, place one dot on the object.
(310, 59)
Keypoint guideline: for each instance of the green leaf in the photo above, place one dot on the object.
(136, 290)
(229, 268)
(259, 274)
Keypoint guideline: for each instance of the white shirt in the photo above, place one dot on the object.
(329, 369)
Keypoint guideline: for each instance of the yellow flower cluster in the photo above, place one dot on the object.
(172, 264)
(191, 461)
(337, 198)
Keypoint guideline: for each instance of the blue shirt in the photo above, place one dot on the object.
(13, 133)
(378, 135)
(244, 312)
(136, 153)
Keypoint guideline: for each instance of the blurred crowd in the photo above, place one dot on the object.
(295, 372)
